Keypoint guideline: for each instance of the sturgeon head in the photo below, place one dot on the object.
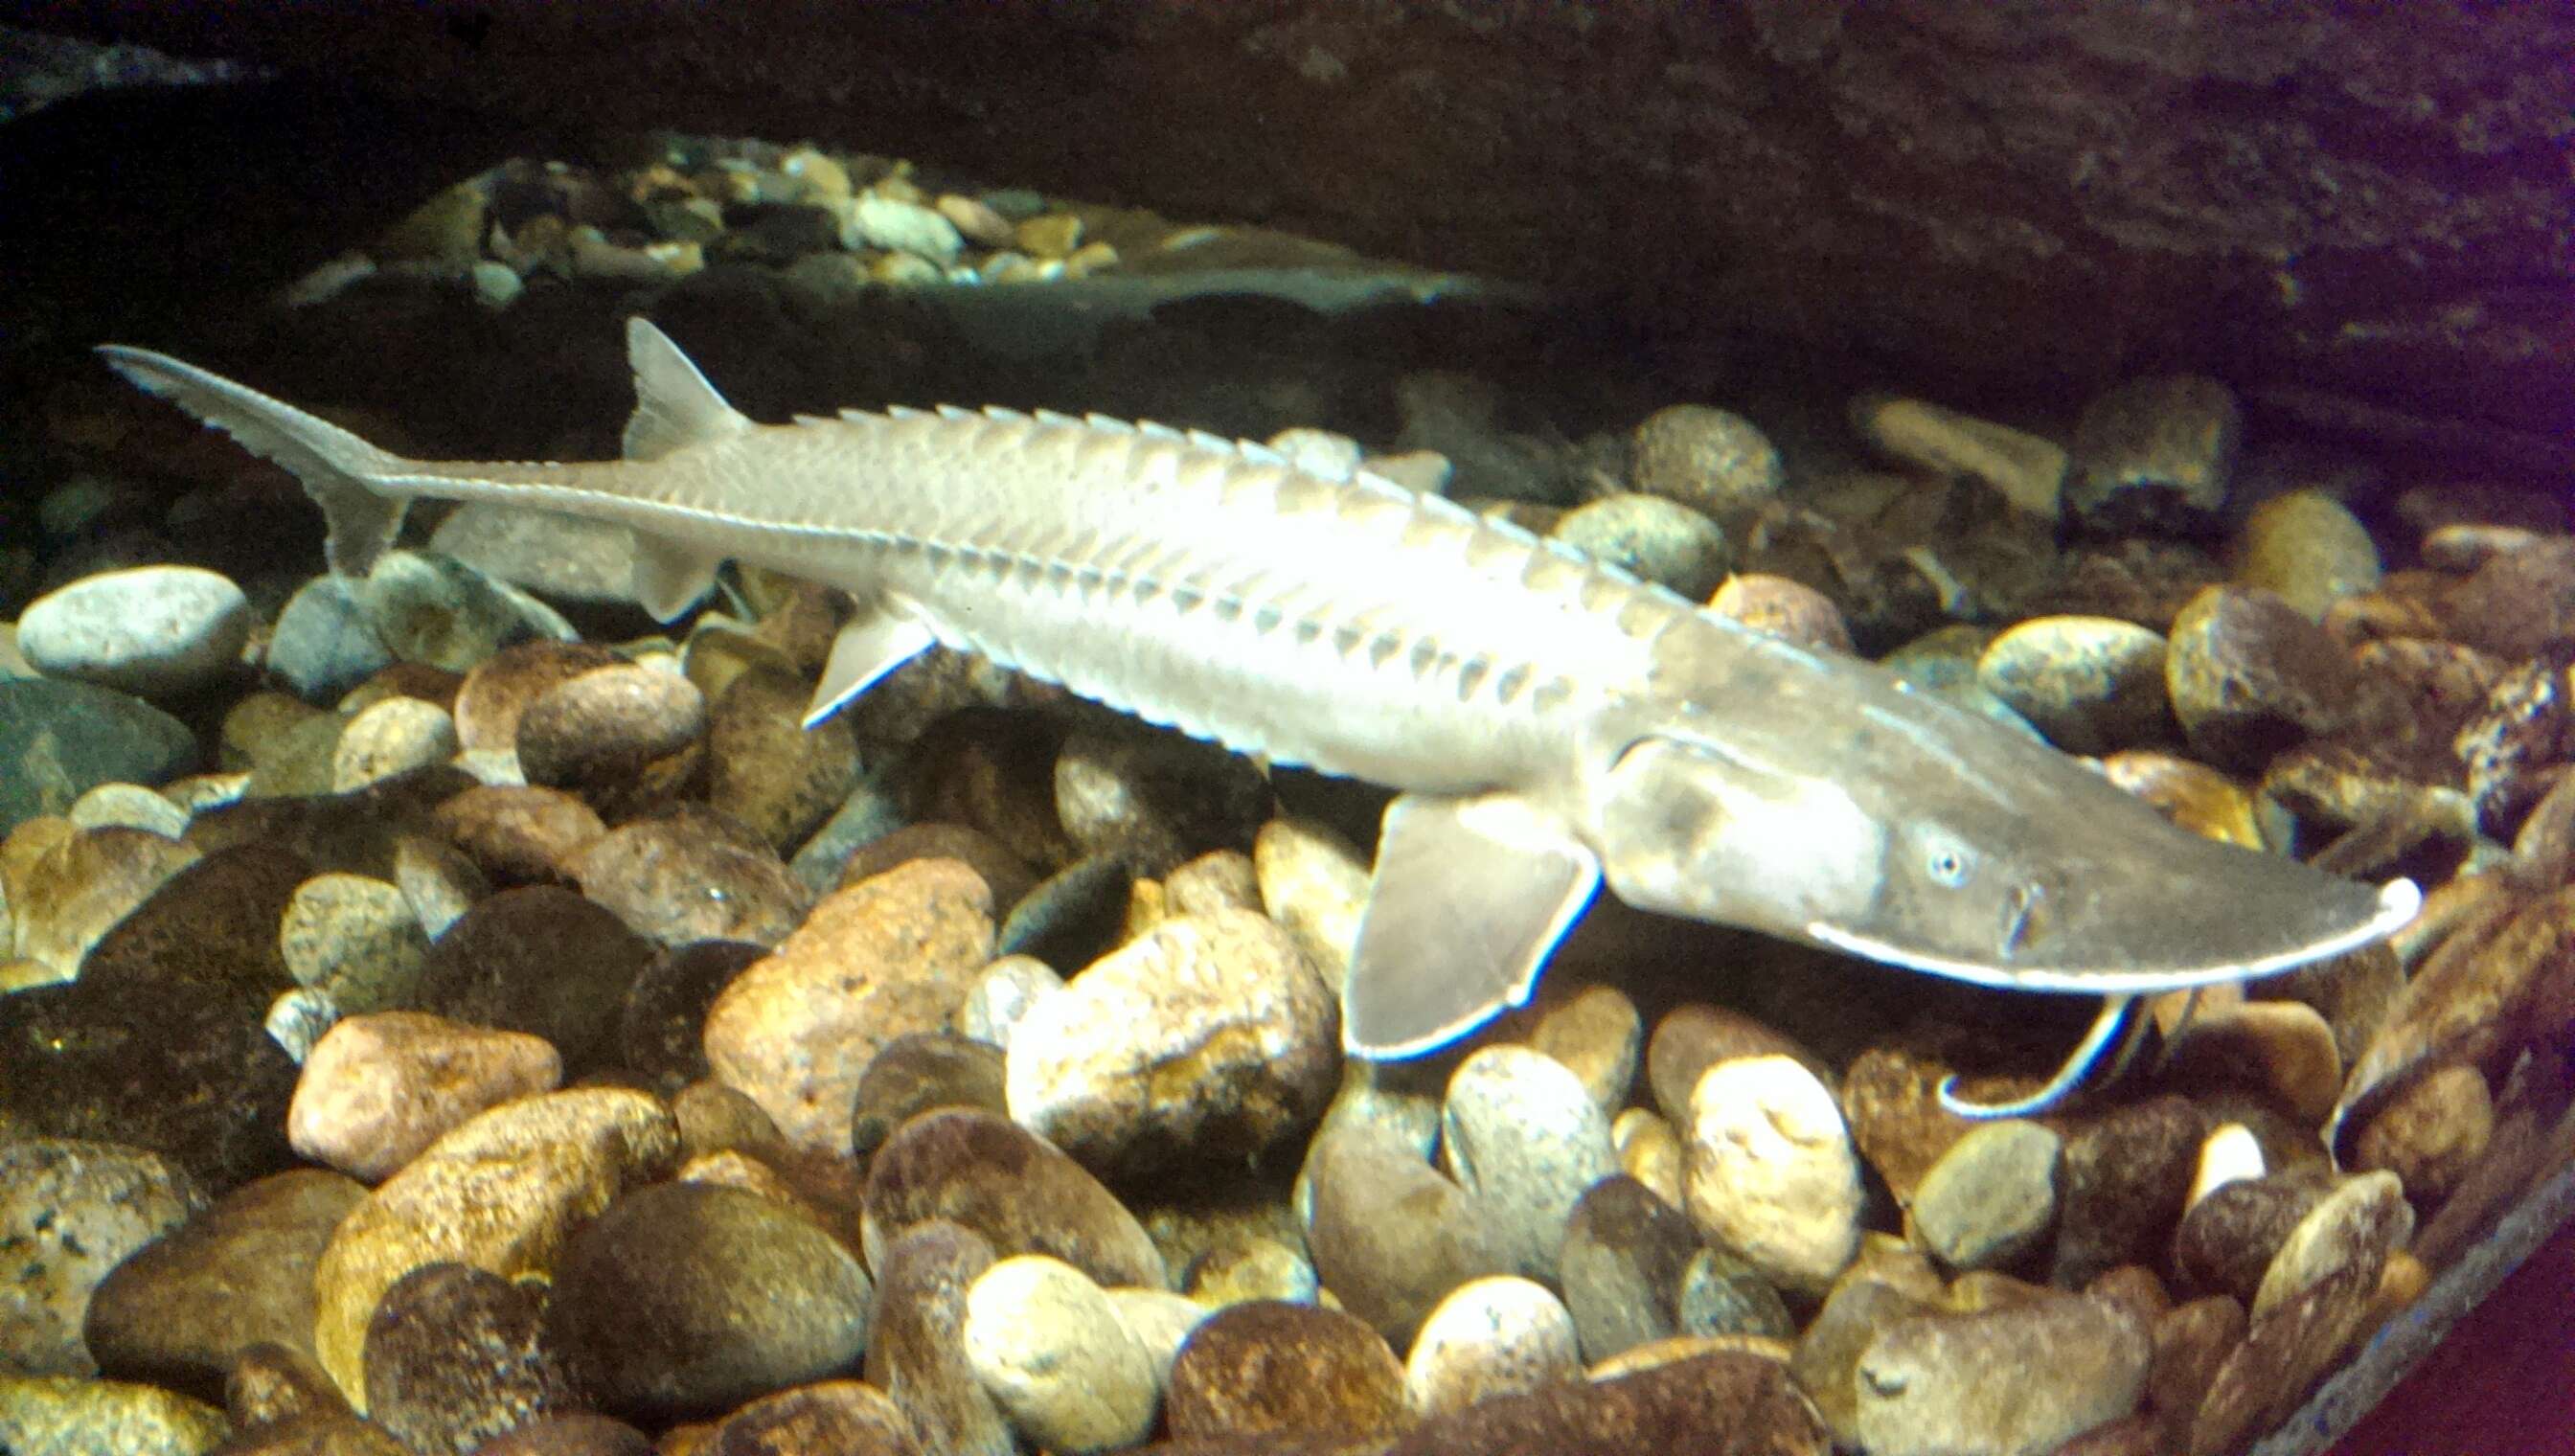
(1757, 785)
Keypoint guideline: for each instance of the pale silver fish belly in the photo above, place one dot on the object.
(1348, 625)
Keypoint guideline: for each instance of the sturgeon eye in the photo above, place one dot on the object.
(1946, 864)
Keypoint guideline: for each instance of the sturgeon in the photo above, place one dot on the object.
(1548, 722)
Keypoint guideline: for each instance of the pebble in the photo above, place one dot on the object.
(1207, 1037)
(1927, 1384)
(454, 1357)
(1660, 541)
(843, 1417)
(1389, 1236)
(2517, 605)
(1625, 1251)
(2227, 1239)
(1010, 1186)
(1772, 1174)
(2194, 795)
(2026, 470)
(501, 1192)
(918, 1072)
(2248, 676)
(916, 1353)
(2513, 743)
(439, 611)
(53, 1415)
(683, 1300)
(767, 770)
(1787, 610)
(1649, 1151)
(608, 727)
(1596, 1032)
(1269, 1368)
(2090, 684)
(393, 736)
(519, 833)
(1708, 458)
(2155, 455)
(685, 876)
(1717, 1401)
(323, 646)
(180, 1309)
(1000, 997)
(1454, 414)
(2281, 1049)
(1154, 798)
(128, 805)
(1992, 1197)
(1315, 885)
(70, 1212)
(1256, 1268)
(2309, 548)
(975, 219)
(873, 221)
(498, 690)
(1050, 1349)
(1073, 915)
(878, 960)
(1160, 1322)
(1494, 1336)
(1523, 1137)
(153, 632)
(559, 1433)
(1721, 1296)
(1220, 879)
(541, 960)
(2230, 1154)
(2430, 1133)
(60, 740)
(2267, 1375)
(71, 893)
(2356, 1227)
(354, 938)
(1695, 1035)
(378, 1089)
(2121, 1186)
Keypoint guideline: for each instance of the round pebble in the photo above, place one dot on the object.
(1496, 1336)
(1015, 1189)
(1390, 1237)
(916, 1073)
(393, 736)
(2026, 470)
(354, 938)
(1707, 459)
(323, 646)
(70, 1212)
(154, 632)
(1992, 1197)
(605, 727)
(2309, 548)
(1772, 1174)
(2091, 684)
(1269, 1369)
(1788, 609)
(1660, 541)
(1050, 1349)
(1523, 1137)
(376, 1089)
(1001, 996)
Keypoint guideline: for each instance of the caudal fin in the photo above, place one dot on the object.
(332, 463)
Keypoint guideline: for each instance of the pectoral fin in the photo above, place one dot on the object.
(670, 576)
(882, 638)
(1470, 897)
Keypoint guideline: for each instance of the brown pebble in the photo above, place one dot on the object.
(504, 685)
(519, 834)
(1268, 1366)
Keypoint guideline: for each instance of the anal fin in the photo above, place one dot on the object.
(1469, 899)
(882, 637)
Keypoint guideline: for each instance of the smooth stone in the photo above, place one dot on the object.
(439, 611)
(1154, 798)
(2091, 684)
(1389, 1236)
(2309, 548)
(70, 1213)
(1000, 996)
(686, 1299)
(154, 632)
(2430, 1133)
(1501, 1335)
(1257, 1268)
(2121, 1186)
(916, 1351)
(2026, 470)
(1161, 1320)
(2267, 1376)
(499, 689)
(1694, 1037)
(770, 770)
(1072, 916)
(889, 956)
(1660, 541)
(2194, 795)
(873, 221)
(180, 1310)
(1927, 1384)
(354, 938)
(53, 1415)
(918, 1072)
(58, 741)
(323, 645)
(1010, 1186)
(1053, 1353)
(1788, 609)
(501, 1192)
(2226, 1241)
(541, 960)
(1728, 1401)
(2154, 454)
(1271, 1368)
(378, 1089)
(455, 1357)
(1708, 458)
(1772, 1174)
(69, 894)
(2355, 1228)
(1723, 1297)
(1864, 1303)
(1220, 879)
(519, 833)
(1598, 1034)
(679, 877)
(1522, 1136)
(1651, 1152)
(1005, 873)
(1208, 1036)
(2191, 1340)
(2281, 1049)
(393, 736)
(128, 807)
(843, 1417)
(1992, 1197)
(609, 727)
(2248, 676)
(1315, 885)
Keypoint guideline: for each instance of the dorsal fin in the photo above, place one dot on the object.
(674, 403)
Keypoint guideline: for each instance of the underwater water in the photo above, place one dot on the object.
(451, 1003)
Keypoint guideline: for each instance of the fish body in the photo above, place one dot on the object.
(1550, 723)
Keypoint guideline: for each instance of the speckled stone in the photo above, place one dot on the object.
(393, 736)
(178, 1310)
(1051, 1350)
(2430, 1133)
(1772, 1173)
(691, 876)
(540, 960)
(886, 957)
(1722, 1401)
(1708, 458)
(128, 805)
(914, 1350)
(439, 611)
(69, 889)
(1154, 797)
(501, 1192)
(1207, 1036)
(1496, 1336)
(686, 1299)
(1274, 1368)
(70, 1212)
(1596, 1032)
(1011, 1187)
(1992, 1197)
(2121, 1186)
(1389, 1236)
(1927, 1384)
(2091, 684)
(2248, 676)
(660, 1032)
(766, 769)
(1523, 1137)
(1003, 873)
(2309, 548)
(999, 998)
(1314, 883)
(1788, 609)
(564, 1433)
(2154, 454)
(65, 1416)
(354, 938)
(918, 1072)
(1661, 541)
(2267, 1374)
(155, 632)
(453, 1358)
(322, 644)
(1695, 1035)
(1863, 1303)
(2191, 1341)
(2226, 1240)
(376, 1089)
(843, 1417)
(2354, 1229)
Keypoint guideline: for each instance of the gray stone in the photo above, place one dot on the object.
(60, 740)
(2019, 1380)
(323, 645)
(154, 632)
(1992, 1197)
(70, 1212)
(1520, 1132)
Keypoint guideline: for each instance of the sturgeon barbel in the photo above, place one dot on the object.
(1548, 722)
